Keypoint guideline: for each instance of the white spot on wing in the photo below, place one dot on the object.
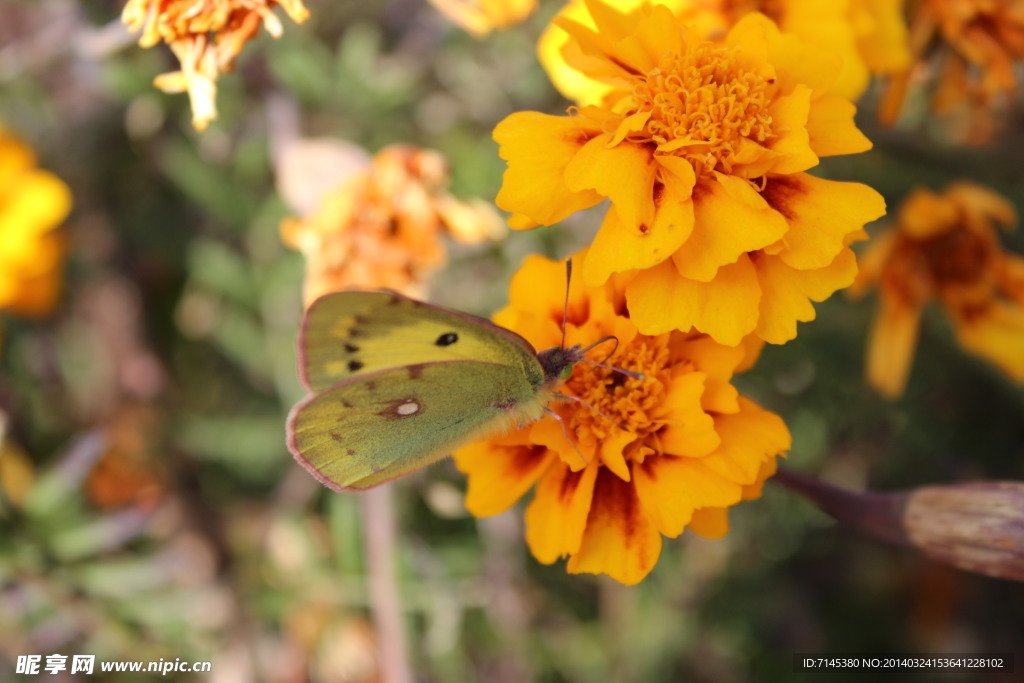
(410, 408)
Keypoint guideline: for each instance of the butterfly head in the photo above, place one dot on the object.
(558, 362)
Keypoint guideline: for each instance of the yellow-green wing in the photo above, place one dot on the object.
(347, 334)
(373, 428)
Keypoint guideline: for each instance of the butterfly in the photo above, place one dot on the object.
(397, 384)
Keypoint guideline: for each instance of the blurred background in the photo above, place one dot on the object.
(149, 508)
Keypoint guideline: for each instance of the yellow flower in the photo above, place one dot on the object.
(382, 228)
(33, 202)
(648, 458)
(480, 17)
(945, 247)
(206, 36)
(972, 47)
(701, 148)
(869, 35)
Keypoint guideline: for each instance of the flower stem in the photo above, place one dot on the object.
(379, 541)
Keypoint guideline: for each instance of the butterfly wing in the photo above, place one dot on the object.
(375, 427)
(348, 334)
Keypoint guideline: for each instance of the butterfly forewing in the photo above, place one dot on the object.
(375, 427)
(348, 334)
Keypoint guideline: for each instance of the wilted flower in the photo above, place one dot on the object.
(33, 202)
(206, 36)
(480, 17)
(383, 226)
(974, 47)
(701, 147)
(945, 247)
(633, 459)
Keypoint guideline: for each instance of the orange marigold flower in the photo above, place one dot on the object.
(945, 247)
(869, 35)
(702, 148)
(648, 458)
(382, 227)
(974, 46)
(206, 36)
(33, 202)
(480, 17)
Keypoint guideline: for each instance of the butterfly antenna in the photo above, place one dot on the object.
(565, 306)
(565, 432)
(628, 373)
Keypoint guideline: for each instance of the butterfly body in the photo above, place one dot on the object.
(397, 384)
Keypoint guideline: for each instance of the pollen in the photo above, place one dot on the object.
(703, 105)
(620, 401)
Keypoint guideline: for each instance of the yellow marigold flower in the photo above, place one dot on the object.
(945, 247)
(649, 458)
(480, 17)
(701, 148)
(869, 35)
(206, 36)
(383, 226)
(33, 202)
(974, 47)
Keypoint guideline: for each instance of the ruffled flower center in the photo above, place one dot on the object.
(957, 257)
(624, 402)
(703, 105)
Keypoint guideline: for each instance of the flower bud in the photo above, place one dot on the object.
(978, 527)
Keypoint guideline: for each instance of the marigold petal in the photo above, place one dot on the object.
(500, 471)
(619, 539)
(891, 344)
(623, 173)
(550, 433)
(821, 213)
(612, 455)
(617, 249)
(710, 523)
(832, 130)
(691, 479)
(787, 292)
(749, 437)
(726, 308)
(730, 218)
(557, 515)
(688, 431)
(538, 147)
(658, 490)
(998, 336)
(789, 123)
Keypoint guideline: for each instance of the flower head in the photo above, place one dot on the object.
(632, 459)
(33, 202)
(382, 227)
(701, 147)
(944, 247)
(480, 17)
(974, 47)
(869, 36)
(206, 36)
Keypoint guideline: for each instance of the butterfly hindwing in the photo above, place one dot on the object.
(347, 334)
(375, 427)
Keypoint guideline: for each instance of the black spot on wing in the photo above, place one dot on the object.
(354, 365)
(351, 348)
(447, 339)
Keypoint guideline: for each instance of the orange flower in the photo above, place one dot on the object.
(974, 46)
(206, 36)
(869, 35)
(382, 228)
(647, 458)
(945, 247)
(480, 17)
(32, 204)
(702, 149)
